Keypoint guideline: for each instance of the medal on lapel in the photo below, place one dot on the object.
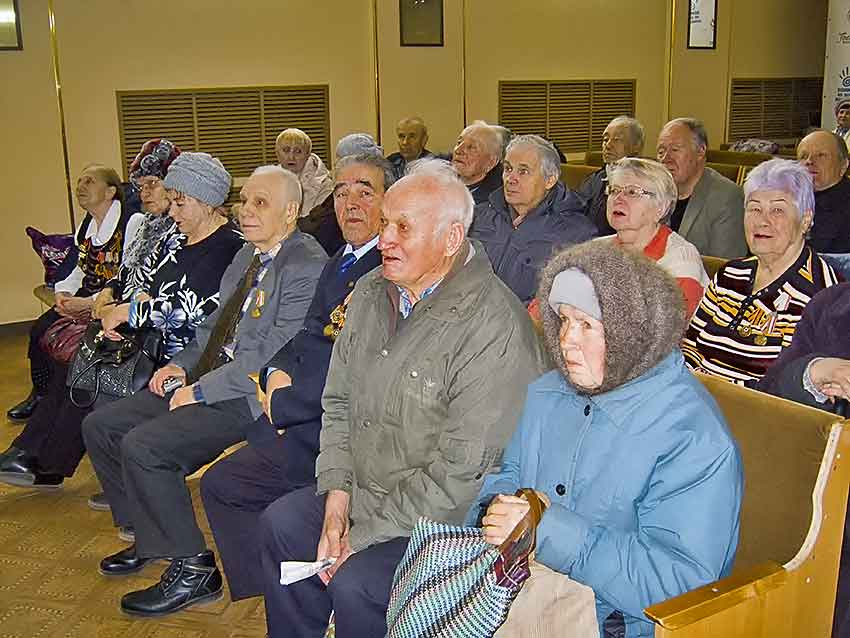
(337, 319)
(258, 306)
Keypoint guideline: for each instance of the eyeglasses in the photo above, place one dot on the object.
(149, 182)
(629, 190)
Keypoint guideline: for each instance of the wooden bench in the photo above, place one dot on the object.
(573, 174)
(796, 475)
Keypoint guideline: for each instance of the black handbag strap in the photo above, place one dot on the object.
(76, 380)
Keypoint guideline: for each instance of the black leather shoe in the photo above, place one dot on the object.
(186, 581)
(25, 408)
(124, 562)
(20, 469)
(17, 467)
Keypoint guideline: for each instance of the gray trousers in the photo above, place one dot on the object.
(142, 453)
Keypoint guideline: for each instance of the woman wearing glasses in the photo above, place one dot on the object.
(750, 311)
(641, 195)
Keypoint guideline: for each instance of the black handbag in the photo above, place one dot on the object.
(118, 368)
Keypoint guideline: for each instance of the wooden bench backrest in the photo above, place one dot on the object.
(736, 157)
(573, 174)
(729, 171)
(782, 444)
(594, 158)
(712, 264)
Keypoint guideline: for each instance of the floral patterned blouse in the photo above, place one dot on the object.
(184, 286)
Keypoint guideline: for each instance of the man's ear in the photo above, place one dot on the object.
(292, 209)
(550, 181)
(454, 239)
(701, 150)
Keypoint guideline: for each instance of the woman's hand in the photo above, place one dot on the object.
(74, 307)
(503, 515)
(101, 302)
(165, 372)
(114, 317)
(832, 377)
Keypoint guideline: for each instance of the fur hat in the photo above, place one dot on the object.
(153, 158)
(643, 309)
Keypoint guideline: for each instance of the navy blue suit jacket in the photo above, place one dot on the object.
(305, 358)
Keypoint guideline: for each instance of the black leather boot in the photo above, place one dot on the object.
(124, 562)
(25, 408)
(186, 581)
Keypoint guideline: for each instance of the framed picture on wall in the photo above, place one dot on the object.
(702, 24)
(10, 26)
(421, 23)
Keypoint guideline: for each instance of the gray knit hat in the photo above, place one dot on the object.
(199, 175)
(643, 309)
(358, 144)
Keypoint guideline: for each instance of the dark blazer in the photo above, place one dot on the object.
(288, 287)
(822, 332)
(306, 358)
(492, 182)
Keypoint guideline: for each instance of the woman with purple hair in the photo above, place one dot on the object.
(751, 309)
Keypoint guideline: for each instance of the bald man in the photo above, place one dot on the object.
(824, 154)
(412, 138)
(143, 446)
(424, 389)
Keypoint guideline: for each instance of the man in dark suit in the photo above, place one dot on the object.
(144, 446)
(237, 489)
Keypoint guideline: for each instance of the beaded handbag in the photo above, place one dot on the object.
(451, 583)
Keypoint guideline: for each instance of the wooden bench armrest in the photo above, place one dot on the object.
(715, 597)
(45, 295)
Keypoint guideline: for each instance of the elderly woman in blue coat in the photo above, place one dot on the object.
(643, 476)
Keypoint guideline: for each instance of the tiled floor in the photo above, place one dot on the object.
(50, 544)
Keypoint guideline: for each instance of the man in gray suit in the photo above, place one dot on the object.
(710, 210)
(144, 446)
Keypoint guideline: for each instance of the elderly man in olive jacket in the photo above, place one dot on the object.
(424, 389)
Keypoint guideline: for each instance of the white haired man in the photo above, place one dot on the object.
(623, 137)
(144, 446)
(531, 217)
(423, 392)
(710, 210)
(477, 157)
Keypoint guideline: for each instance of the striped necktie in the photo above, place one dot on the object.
(225, 327)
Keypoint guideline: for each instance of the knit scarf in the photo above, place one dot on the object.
(152, 228)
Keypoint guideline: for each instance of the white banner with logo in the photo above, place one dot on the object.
(836, 73)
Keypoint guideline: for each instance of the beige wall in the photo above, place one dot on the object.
(555, 40)
(156, 44)
(31, 175)
(755, 39)
(424, 81)
(148, 44)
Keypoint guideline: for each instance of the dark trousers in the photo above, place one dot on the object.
(142, 453)
(41, 365)
(53, 434)
(236, 491)
(358, 593)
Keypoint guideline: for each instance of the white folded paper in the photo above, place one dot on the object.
(292, 571)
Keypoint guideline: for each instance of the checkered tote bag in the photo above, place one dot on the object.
(452, 584)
